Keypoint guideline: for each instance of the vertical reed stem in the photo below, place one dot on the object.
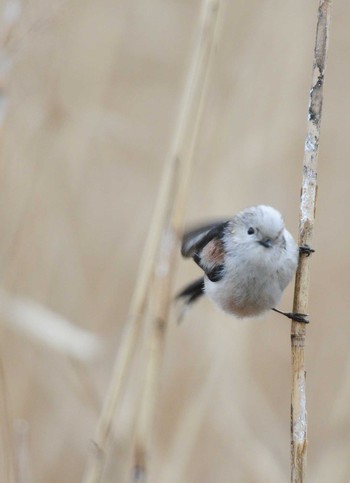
(306, 226)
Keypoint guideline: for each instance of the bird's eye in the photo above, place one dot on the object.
(251, 231)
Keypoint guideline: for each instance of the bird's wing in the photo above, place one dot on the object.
(205, 246)
(196, 239)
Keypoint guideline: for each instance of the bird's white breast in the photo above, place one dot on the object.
(254, 279)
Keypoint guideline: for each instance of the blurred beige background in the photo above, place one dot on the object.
(93, 89)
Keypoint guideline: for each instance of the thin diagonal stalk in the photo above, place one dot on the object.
(164, 207)
(164, 271)
(306, 226)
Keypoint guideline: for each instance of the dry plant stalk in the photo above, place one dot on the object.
(160, 294)
(166, 219)
(306, 225)
(129, 339)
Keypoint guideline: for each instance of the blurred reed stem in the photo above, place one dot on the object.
(160, 298)
(156, 273)
(306, 226)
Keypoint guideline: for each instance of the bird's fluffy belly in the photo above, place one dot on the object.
(253, 295)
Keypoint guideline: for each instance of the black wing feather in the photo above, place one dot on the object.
(196, 240)
(192, 291)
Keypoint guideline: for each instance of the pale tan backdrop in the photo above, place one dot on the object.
(93, 89)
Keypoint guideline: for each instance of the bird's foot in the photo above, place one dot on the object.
(301, 318)
(306, 250)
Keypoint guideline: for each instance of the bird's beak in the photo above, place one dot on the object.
(267, 243)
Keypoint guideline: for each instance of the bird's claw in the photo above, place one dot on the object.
(294, 316)
(297, 317)
(306, 250)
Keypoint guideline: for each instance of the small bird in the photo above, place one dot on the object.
(247, 262)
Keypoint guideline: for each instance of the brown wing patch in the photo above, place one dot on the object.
(213, 252)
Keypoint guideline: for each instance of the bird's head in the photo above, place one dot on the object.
(259, 226)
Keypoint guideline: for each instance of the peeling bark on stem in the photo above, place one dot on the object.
(306, 224)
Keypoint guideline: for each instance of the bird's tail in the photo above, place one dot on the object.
(189, 295)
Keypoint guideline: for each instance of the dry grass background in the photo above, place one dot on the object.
(93, 96)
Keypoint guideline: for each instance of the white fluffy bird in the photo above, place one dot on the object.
(247, 262)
